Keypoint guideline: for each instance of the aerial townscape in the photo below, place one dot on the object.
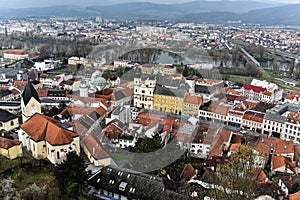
(134, 103)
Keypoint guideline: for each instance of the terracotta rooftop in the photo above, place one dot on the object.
(281, 161)
(41, 127)
(293, 117)
(188, 172)
(264, 145)
(254, 116)
(94, 147)
(192, 99)
(7, 143)
(295, 196)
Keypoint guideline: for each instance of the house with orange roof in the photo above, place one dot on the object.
(94, 150)
(282, 164)
(221, 143)
(10, 148)
(293, 98)
(253, 120)
(217, 111)
(45, 137)
(191, 105)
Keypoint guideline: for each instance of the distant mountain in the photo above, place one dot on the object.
(287, 14)
(197, 11)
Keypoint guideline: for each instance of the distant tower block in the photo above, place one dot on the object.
(84, 90)
(98, 19)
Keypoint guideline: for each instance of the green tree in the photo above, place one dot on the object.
(71, 175)
(236, 179)
(146, 145)
(45, 51)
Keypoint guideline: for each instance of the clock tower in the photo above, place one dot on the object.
(30, 103)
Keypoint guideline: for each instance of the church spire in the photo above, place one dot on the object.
(29, 92)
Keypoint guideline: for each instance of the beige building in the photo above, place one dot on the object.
(94, 151)
(191, 105)
(44, 138)
(10, 148)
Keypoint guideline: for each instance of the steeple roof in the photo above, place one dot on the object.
(29, 92)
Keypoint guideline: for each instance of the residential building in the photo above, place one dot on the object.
(8, 121)
(15, 55)
(10, 148)
(262, 91)
(47, 138)
(207, 88)
(94, 151)
(191, 105)
(168, 100)
(112, 182)
(253, 120)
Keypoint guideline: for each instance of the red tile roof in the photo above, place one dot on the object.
(192, 99)
(254, 88)
(7, 143)
(295, 196)
(188, 172)
(254, 116)
(41, 127)
(94, 146)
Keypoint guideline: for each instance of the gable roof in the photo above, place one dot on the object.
(192, 99)
(132, 184)
(254, 88)
(29, 92)
(6, 116)
(7, 143)
(94, 146)
(47, 129)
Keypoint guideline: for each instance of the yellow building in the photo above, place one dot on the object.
(191, 105)
(168, 99)
(10, 148)
(44, 138)
(94, 151)
(8, 121)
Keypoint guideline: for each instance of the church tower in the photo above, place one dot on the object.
(30, 102)
(84, 90)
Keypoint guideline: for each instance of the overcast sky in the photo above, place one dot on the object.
(181, 1)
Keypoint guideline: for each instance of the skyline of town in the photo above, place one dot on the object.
(113, 108)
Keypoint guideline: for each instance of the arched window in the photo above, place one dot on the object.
(1, 124)
(12, 123)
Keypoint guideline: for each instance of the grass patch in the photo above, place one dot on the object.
(121, 156)
(240, 79)
(64, 70)
(6, 163)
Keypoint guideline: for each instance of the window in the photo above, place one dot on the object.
(1, 124)
(57, 155)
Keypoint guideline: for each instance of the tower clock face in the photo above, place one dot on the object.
(33, 110)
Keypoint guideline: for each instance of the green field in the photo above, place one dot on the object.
(121, 156)
(64, 70)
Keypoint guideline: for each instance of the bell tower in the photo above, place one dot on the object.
(30, 102)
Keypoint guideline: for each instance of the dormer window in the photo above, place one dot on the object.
(122, 186)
